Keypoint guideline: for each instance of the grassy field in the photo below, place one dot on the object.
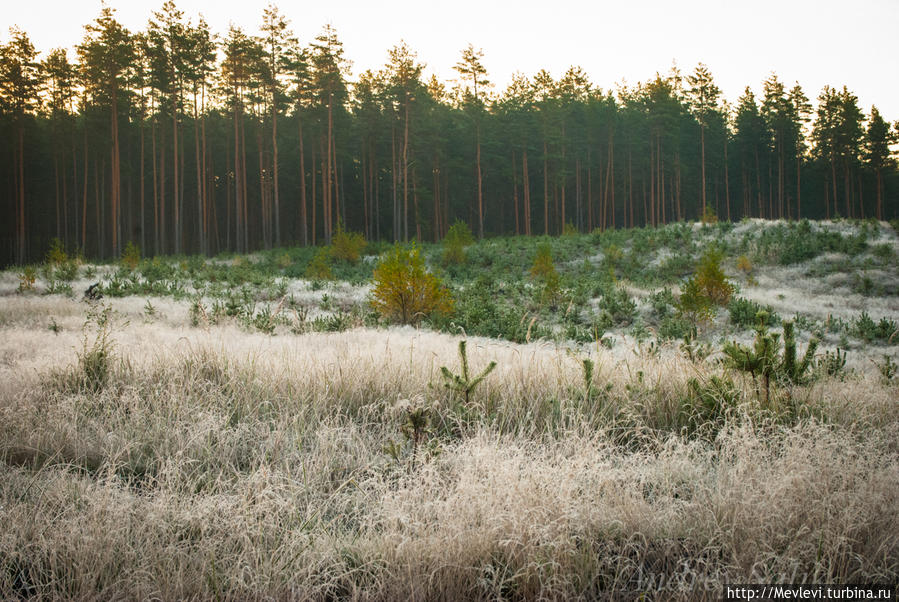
(231, 429)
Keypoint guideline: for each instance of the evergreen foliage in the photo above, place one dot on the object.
(404, 291)
(191, 142)
(347, 246)
(544, 271)
(766, 361)
(320, 266)
(457, 238)
(463, 383)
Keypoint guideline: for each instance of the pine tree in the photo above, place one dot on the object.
(703, 98)
(470, 65)
(106, 55)
(878, 154)
(277, 39)
(330, 94)
(404, 85)
(61, 81)
(168, 47)
(20, 82)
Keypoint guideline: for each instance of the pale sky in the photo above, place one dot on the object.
(814, 42)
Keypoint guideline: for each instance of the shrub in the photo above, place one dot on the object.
(95, 358)
(674, 327)
(887, 369)
(619, 307)
(131, 256)
(320, 266)
(613, 256)
(67, 270)
(693, 304)
(347, 246)
(887, 330)
(709, 216)
(711, 279)
(832, 364)
(744, 312)
(27, 279)
(56, 256)
(765, 360)
(457, 238)
(404, 291)
(708, 405)
(284, 261)
(545, 271)
(484, 309)
(661, 302)
(744, 265)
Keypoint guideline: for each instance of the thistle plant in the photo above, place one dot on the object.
(463, 384)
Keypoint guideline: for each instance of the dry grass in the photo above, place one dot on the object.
(222, 464)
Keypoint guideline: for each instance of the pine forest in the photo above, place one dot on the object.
(183, 140)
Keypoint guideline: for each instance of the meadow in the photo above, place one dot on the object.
(251, 427)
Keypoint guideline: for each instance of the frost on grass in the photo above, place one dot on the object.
(223, 463)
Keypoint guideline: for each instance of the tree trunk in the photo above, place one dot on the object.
(393, 179)
(480, 192)
(238, 224)
(726, 180)
(702, 145)
(406, 170)
(277, 198)
(312, 223)
(56, 182)
(527, 191)
(143, 215)
(201, 209)
(176, 200)
(304, 223)
(545, 191)
(326, 188)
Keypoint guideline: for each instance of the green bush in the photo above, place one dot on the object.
(457, 238)
(674, 327)
(711, 280)
(662, 303)
(619, 307)
(131, 256)
(56, 255)
(544, 271)
(744, 313)
(404, 291)
(320, 266)
(485, 309)
(865, 328)
(708, 405)
(347, 246)
(795, 243)
(706, 290)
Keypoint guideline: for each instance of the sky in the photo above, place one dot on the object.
(814, 42)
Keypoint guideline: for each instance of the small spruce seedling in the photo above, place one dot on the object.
(463, 384)
(590, 391)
